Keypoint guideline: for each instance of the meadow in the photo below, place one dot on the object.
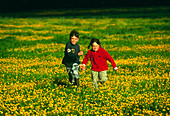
(33, 81)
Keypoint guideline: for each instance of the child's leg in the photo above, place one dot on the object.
(71, 76)
(76, 73)
(94, 79)
(77, 82)
(103, 76)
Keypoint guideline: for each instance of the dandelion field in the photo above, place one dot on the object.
(33, 81)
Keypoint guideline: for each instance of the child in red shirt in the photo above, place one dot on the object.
(98, 57)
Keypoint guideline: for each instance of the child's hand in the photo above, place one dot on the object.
(116, 69)
(80, 53)
(82, 67)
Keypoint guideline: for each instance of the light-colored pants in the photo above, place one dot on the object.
(102, 77)
(73, 73)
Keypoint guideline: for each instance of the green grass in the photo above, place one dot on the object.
(33, 80)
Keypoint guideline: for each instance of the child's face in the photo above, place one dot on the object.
(74, 40)
(95, 46)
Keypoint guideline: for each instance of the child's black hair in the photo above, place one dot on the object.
(74, 33)
(94, 40)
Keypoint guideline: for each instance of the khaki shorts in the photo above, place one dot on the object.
(102, 76)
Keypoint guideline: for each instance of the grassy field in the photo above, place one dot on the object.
(33, 81)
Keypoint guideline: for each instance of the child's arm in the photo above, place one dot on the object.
(85, 60)
(80, 53)
(110, 59)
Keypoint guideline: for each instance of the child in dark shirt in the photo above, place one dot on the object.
(71, 58)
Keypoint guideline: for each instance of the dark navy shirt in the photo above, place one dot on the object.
(71, 54)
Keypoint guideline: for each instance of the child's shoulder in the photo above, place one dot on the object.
(68, 43)
(77, 45)
(103, 49)
(90, 51)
